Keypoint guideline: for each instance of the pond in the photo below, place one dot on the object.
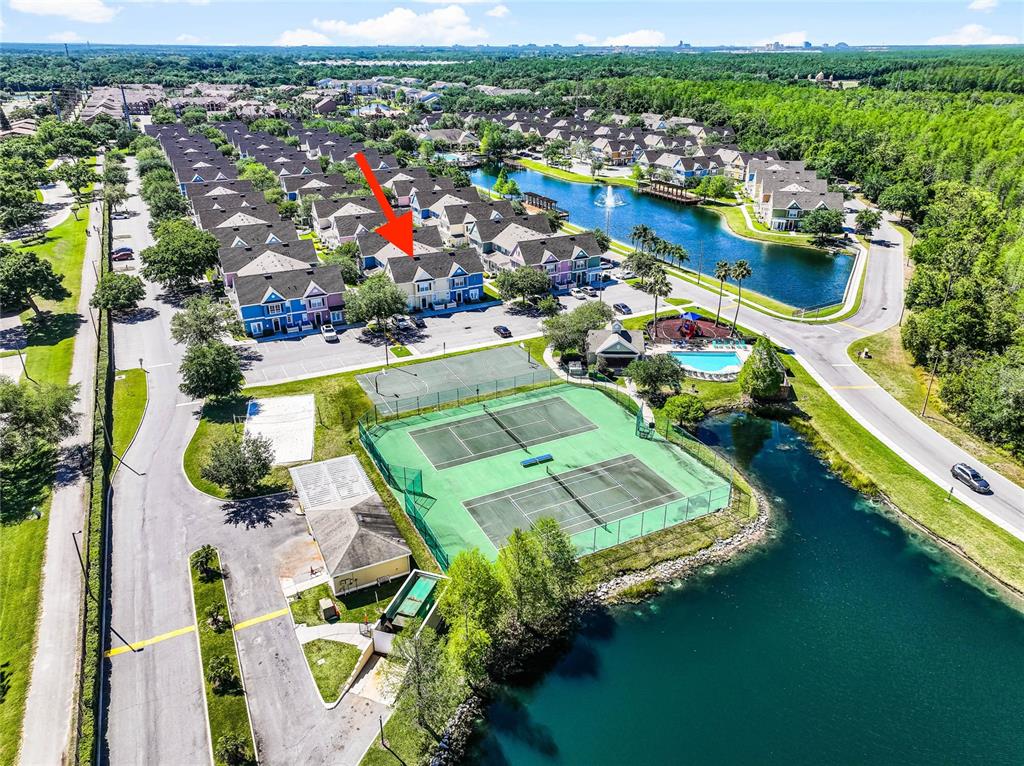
(844, 640)
(799, 276)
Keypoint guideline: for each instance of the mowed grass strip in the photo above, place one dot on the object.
(51, 342)
(893, 369)
(130, 394)
(227, 712)
(331, 663)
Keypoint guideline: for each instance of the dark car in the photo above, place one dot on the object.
(123, 250)
(503, 331)
(124, 255)
(970, 477)
(622, 308)
(420, 324)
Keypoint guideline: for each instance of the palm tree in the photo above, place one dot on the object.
(642, 235)
(657, 284)
(740, 272)
(679, 254)
(722, 272)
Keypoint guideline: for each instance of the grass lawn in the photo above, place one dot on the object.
(365, 604)
(568, 175)
(331, 663)
(892, 368)
(228, 713)
(51, 343)
(400, 351)
(217, 422)
(129, 405)
(21, 560)
(734, 218)
(403, 735)
(492, 292)
(864, 460)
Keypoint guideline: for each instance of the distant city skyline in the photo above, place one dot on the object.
(507, 22)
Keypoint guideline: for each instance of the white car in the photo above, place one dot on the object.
(578, 293)
(404, 323)
(625, 274)
(329, 333)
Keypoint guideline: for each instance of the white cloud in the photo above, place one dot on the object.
(456, 2)
(973, 34)
(444, 26)
(982, 5)
(186, 39)
(794, 39)
(641, 38)
(89, 11)
(498, 11)
(301, 37)
(65, 37)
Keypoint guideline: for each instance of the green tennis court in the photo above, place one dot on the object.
(604, 484)
(595, 495)
(499, 430)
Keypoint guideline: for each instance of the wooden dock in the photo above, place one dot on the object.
(667, 190)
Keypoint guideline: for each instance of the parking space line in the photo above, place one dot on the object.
(262, 618)
(150, 641)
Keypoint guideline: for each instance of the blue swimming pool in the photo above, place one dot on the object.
(708, 361)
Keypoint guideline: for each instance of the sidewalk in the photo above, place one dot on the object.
(46, 730)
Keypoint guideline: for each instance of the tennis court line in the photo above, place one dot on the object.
(473, 457)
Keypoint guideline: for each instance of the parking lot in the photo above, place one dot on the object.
(279, 360)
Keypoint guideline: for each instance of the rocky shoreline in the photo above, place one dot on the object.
(454, 742)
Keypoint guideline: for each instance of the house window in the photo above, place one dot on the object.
(550, 268)
(794, 213)
(424, 287)
(458, 282)
(256, 328)
(335, 316)
(474, 295)
(274, 308)
(316, 303)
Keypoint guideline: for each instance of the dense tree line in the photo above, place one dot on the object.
(946, 69)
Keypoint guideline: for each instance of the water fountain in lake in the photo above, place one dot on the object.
(608, 199)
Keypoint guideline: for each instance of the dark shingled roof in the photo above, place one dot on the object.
(480, 211)
(256, 234)
(288, 284)
(234, 258)
(404, 268)
(371, 243)
(561, 246)
(205, 188)
(210, 219)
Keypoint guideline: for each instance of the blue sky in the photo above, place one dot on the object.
(501, 22)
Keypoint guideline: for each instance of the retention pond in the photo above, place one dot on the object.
(843, 641)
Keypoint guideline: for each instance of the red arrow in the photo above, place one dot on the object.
(398, 229)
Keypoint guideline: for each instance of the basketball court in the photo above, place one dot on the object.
(412, 386)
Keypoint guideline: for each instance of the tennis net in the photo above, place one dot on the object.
(579, 500)
(506, 429)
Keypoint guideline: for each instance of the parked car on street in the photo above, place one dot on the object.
(622, 308)
(970, 477)
(419, 322)
(502, 331)
(123, 250)
(578, 293)
(404, 323)
(590, 292)
(121, 215)
(329, 333)
(127, 255)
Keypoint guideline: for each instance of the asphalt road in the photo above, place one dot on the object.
(156, 710)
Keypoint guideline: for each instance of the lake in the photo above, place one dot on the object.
(799, 276)
(843, 641)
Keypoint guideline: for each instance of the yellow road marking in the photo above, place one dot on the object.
(262, 618)
(853, 327)
(854, 388)
(149, 641)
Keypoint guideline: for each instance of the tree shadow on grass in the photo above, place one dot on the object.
(50, 329)
(24, 484)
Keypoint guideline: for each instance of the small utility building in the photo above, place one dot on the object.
(357, 537)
